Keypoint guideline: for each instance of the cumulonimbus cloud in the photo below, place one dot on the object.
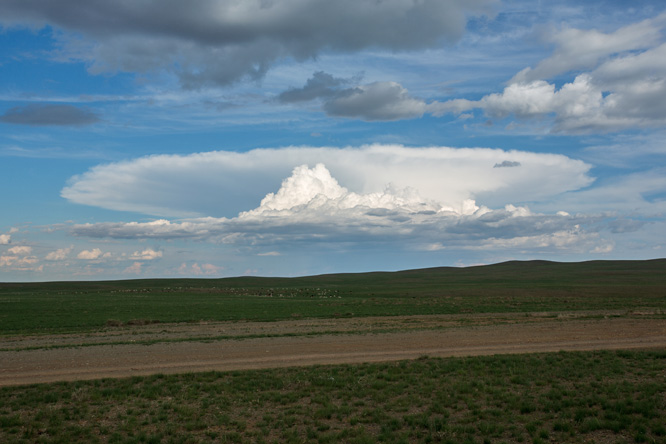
(222, 183)
(216, 42)
(311, 206)
(427, 197)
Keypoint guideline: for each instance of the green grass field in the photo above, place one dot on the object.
(583, 397)
(591, 397)
(508, 287)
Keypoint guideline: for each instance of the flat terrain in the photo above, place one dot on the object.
(87, 330)
(435, 355)
(178, 348)
(511, 287)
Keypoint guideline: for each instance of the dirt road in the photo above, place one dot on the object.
(235, 346)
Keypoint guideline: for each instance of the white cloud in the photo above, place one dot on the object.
(311, 206)
(5, 239)
(93, 254)
(146, 255)
(313, 190)
(200, 270)
(182, 186)
(624, 88)
(604, 249)
(18, 261)
(20, 250)
(19, 258)
(581, 106)
(135, 268)
(7, 260)
(59, 254)
(221, 41)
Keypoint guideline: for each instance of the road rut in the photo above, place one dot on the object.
(546, 334)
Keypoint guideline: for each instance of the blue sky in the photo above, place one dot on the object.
(293, 137)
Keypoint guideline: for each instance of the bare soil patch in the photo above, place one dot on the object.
(178, 348)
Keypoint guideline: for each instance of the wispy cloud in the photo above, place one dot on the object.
(135, 268)
(582, 49)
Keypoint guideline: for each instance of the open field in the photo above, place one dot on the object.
(438, 355)
(566, 397)
(512, 287)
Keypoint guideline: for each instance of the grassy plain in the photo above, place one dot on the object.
(567, 397)
(575, 397)
(42, 308)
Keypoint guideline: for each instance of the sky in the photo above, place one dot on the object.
(216, 138)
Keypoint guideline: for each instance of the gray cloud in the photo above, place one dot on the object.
(503, 228)
(46, 114)
(507, 164)
(376, 101)
(320, 85)
(216, 42)
(382, 101)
